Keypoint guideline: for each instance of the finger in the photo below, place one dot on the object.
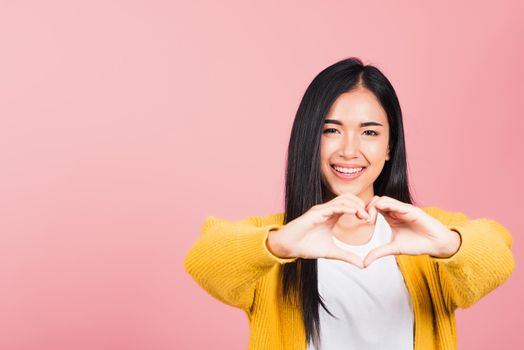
(335, 211)
(348, 196)
(338, 253)
(379, 252)
(354, 198)
(391, 199)
(372, 210)
(362, 214)
(360, 211)
(377, 204)
(332, 217)
(339, 208)
(391, 206)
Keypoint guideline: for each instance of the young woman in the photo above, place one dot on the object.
(352, 263)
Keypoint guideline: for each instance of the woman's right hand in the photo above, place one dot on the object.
(310, 236)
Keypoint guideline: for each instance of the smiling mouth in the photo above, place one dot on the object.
(345, 174)
(347, 171)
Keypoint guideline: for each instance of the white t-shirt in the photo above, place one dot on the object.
(373, 306)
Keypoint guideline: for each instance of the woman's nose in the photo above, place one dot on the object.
(350, 145)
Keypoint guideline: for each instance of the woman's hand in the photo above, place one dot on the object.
(310, 235)
(414, 231)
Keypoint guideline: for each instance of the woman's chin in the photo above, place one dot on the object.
(340, 191)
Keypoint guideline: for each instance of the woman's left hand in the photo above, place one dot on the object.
(414, 231)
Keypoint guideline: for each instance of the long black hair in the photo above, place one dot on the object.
(304, 184)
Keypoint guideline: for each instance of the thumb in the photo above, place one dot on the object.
(379, 252)
(338, 253)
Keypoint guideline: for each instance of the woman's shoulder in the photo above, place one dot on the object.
(460, 221)
(276, 218)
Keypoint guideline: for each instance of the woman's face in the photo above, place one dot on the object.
(355, 135)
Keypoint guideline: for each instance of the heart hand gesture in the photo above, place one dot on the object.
(310, 236)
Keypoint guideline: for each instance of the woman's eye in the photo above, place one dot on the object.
(332, 130)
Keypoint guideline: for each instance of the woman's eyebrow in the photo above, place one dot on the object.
(338, 122)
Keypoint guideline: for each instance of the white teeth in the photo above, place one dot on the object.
(348, 170)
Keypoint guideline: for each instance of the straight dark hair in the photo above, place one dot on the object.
(304, 184)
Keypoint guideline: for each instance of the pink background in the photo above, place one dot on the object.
(124, 123)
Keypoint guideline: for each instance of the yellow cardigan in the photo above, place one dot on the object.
(231, 262)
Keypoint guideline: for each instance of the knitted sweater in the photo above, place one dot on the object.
(231, 262)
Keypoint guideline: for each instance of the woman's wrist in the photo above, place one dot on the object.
(452, 247)
(273, 245)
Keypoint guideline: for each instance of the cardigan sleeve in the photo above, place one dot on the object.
(229, 258)
(483, 262)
